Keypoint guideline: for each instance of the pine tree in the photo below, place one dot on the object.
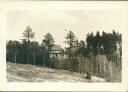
(70, 40)
(28, 34)
(89, 42)
(48, 42)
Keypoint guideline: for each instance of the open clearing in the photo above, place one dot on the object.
(31, 73)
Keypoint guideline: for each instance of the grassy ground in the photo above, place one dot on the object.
(30, 73)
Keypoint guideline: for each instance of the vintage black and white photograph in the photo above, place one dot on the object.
(70, 46)
(67, 46)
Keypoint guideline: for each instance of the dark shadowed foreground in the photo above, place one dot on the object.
(30, 73)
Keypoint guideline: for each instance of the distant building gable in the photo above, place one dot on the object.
(56, 48)
(56, 52)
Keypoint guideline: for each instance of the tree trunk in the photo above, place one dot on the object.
(69, 62)
(70, 58)
(44, 58)
(28, 49)
(15, 58)
(49, 59)
(34, 57)
(28, 58)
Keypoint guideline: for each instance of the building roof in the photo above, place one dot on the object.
(56, 48)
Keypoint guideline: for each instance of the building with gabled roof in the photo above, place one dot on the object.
(57, 52)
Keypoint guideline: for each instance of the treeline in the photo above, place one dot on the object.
(100, 54)
(106, 43)
(26, 53)
(31, 52)
(109, 44)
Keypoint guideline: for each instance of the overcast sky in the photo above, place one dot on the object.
(58, 23)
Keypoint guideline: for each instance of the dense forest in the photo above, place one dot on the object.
(98, 54)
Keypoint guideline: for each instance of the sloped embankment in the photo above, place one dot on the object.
(31, 73)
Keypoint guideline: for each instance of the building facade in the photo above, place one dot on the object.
(57, 52)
